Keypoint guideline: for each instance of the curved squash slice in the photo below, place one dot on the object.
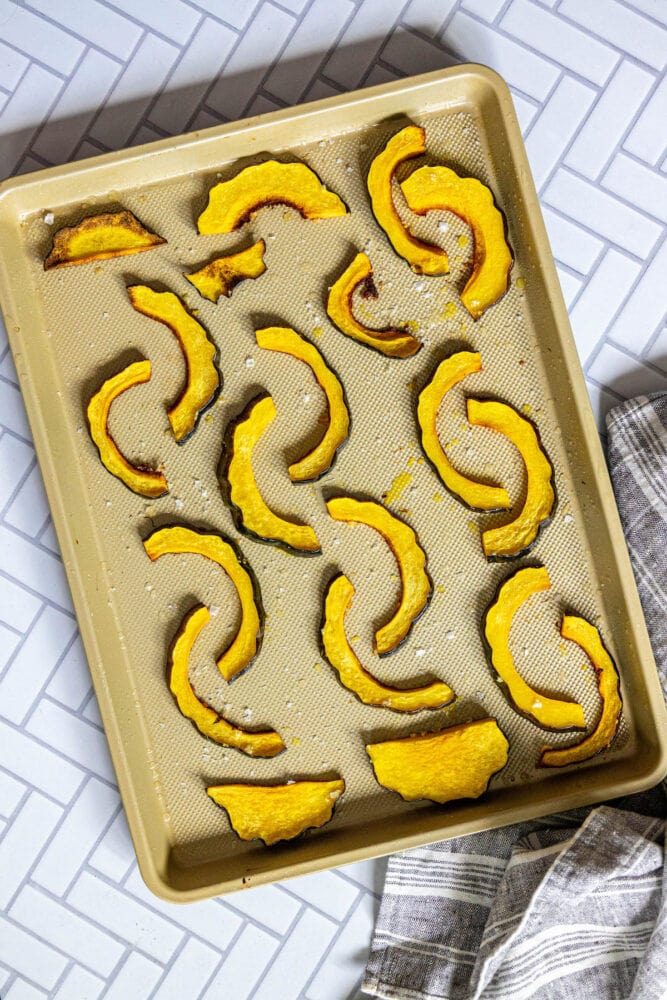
(550, 713)
(451, 371)
(145, 482)
(455, 763)
(99, 237)
(439, 188)
(178, 540)
(354, 676)
(587, 636)
(411, 559)
(215, 727)
(423, 258)
(518, 537)
(277, 812)
(318, 461)
(251, 514)
(232, 203)
(219, 276)
(202, 376)
(392, 341)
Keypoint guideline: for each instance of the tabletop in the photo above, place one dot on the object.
(80, 77)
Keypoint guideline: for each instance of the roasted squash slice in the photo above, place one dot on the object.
(411, 558)
(219, 276)
(202, 377)
(232, 203)
(357, 678)
(439, 188)
(99, 237)
(550, 713)
(588, 638)
(320, 459)
(250, 511)
(423, 258)
(145, 482)
(451, 371)
(215, 727)
(178, 540)
(455, 763)
(518, 537)
(277, 812)
(392, 341)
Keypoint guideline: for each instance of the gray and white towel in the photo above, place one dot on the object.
(572, 906)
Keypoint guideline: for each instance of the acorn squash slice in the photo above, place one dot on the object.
(144, 481)
(423, 258)
(100, 237)
(202, 377)
(439, 188)
(234, 202)
(451, 371)
(251, 513)
(215, 727)
(357, 678)
(180, 540)
(588, 638)
(549, 713)
(416, 586)
(455, 763)
(395, 342)
(518, 537)
(277, 812)
(320, 459)
(219, 276)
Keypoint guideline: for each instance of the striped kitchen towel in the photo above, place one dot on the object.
(572, 906)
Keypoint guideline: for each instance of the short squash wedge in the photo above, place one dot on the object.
(550, 713)
(320, 459)
(215, 727)
(451, 371)
(145, 482)
(277, 812)
(222, 274)
(100, 237)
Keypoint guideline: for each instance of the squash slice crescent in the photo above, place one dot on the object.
(277, 812)
(222, 274)
(100, 237)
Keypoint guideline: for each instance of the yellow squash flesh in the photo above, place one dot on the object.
(277, 812)
(232, 203)
(550, 713)
(145, 482)
(416, 585)
(455, 763)
(99, 237)
(440, 189)
(451, 371)
(219, 276)
(588, 638)
(179, 540)
(320, 459)
(202, 377)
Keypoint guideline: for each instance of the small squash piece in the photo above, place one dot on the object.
(202, 377)
(423, 258)
(320, 459)
(588, 638)
(455, 763)
(550, 713)
(219, 276)
(251, 513)
(357, 678)
(451, 371)
(232, 203)
(415, 582)
(215, 727)
(439, 188)
(99, 237)
(277, 812)
(145, 482)
(180, 540)
(392, 341)
(517, 538)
